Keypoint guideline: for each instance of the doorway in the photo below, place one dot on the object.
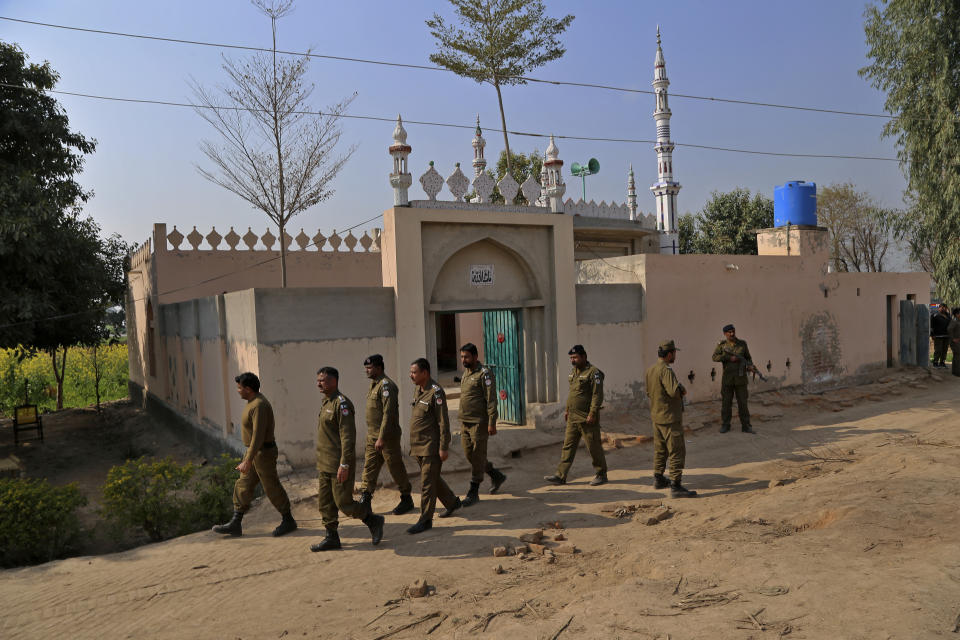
(498, 337)
(891, 319)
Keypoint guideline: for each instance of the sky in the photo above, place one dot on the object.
(145, 167)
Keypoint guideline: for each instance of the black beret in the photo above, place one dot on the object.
(577, 348)
(376, 360)
(729, 327)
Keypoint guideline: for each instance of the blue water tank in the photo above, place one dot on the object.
(795, 203)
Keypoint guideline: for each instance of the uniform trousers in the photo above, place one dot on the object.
(263, 470)
(392, 456)
(727, 391)
(333, 496)
(669, 445)
(474, 437)
(432, 487)
(571, 440)
(955, 368)
(940, 350)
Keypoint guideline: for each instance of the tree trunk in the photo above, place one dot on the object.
(283, 258)
(59, 373)
(97, 374)
(503, 124)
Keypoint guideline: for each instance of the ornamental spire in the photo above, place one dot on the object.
(666, 188)
(479, 162)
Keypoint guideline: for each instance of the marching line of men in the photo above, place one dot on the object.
(430, 436)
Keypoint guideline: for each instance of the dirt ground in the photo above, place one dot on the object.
(838, 519)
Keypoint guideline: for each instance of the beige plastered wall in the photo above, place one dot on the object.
(828, 325)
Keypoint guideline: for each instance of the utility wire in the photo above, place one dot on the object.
(587, 85)
(170, 103)
(169, 291)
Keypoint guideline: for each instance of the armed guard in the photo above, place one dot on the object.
(337, 464)
(582, 416)
(478, 418)
(383, 436)
(737, 362)
(666, 413)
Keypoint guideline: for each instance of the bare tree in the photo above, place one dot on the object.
(861, 232)
(498, 41)
(275, 152)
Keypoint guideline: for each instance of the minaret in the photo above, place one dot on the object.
(479, 162)
(632, 194)
(400, 178)
(665, 189)
(555, 184)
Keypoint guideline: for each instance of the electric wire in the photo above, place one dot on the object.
(170, 103)
(587, 85)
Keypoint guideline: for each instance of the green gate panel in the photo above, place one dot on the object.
(501, 346)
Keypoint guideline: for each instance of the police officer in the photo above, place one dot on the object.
(259, 464)
(953, 331)
(337, 464)
(430, 442)
(383, 436)
(583, 418)
(478, 417)
(735, 356)
(666, 413)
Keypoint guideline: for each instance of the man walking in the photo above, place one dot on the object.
(735, 356)
(583, 418)
(259, 464)
(954, 332)
(478, 418)
(383, 436)
(939, 323)
(430, 442)
(337, 464)
(666, 413)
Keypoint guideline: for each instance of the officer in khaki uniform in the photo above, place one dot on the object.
(666, 413)
(735, 356)
(259, 464)
(337, 463)
(583, 418)
(430, 442)
(383, 436)
(478, 417)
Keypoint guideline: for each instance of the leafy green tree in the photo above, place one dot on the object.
(59, 275)
(40, 158)
(914, 50)
(520, 166)
(729, 221)
(687, 230)
(497, 42)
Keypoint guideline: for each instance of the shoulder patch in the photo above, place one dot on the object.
(345, 410)
(439, 399)
(386, 392)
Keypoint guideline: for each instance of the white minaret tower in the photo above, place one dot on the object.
(665, 189)
(400, 178)
(479, 162)
(632, 194)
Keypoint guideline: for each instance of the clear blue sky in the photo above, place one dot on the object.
(795, 53)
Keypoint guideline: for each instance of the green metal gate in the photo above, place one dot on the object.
(501, 346)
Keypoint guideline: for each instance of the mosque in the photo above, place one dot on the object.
(522, 281)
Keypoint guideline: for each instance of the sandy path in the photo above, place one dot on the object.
(860, 544)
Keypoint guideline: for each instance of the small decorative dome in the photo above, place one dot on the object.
(399, 133)
(552, 151)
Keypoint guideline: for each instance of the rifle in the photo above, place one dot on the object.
(745, 365)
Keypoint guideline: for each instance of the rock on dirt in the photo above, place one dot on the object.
(566, 548)
(418, 589)
(499, 552)
(657, 517)
(532, 536)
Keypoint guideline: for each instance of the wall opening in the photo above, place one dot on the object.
(891, 320)
(912, 297)
(858, 292)
(151, 342)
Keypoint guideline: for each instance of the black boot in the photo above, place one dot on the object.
(366, 498)
(497, 478)
(375, 524)
(725, 428)
(677, 490)
(747, 429)
(660, 481)
(287, 524)
(449, 510)
(473, 495)
(421, 526)
(233, 527)
(555, 479)
(405, 505)
(600, 478)
(331, 542)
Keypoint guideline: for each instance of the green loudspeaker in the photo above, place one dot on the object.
(575, 168)
(594, 165)
(579, 170)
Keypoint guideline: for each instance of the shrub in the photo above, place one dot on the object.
(165, 499)
(38, 521)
